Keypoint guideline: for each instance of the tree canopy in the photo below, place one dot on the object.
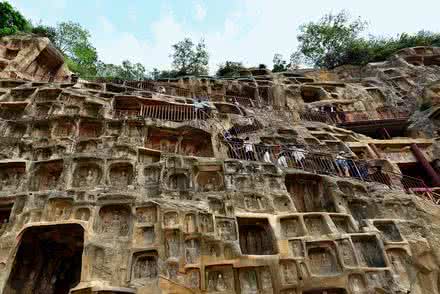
(11, 20)
(336, 40)
(229, 69)
(189, 58)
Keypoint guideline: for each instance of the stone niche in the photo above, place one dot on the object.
(5, 213)
(346, 252)
(114, 221)
(121, 174)
(152, 175)
(15, 130)
(226, 228)
(343, 223)
(220, 279)
(171, 219)
(179, 182)
(282, 204)
(289, 272)
(173, 243)
(255, 280)
(192, 251)
(209, 178)
(401, 265)
(190, 224)
(147, 215)
(82, 213)
(145, 236)
(206, 223)
(47, 175)
(256, 203)
(11, 175)
(323, 259)
(357, 284)
(144, 266)
(59, 209)
(217, 206)
(291, 227)
(87, 173)
(308, 193)
(389, 231)
(256, 237)
(192, 278)
(368, 251)
(316, 225)
(64, 129)
(90, 129)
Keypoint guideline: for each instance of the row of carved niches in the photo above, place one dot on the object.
(262, 202)
(316, 225)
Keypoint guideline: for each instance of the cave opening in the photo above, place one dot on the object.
(48, 260)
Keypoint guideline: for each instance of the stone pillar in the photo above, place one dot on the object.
(426, 165)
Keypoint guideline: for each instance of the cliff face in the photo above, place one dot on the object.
(302, 182)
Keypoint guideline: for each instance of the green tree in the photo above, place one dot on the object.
(127, 71)
(11, 20)
(190, 59)
(323, 43)
(229, 69)
(279, 64)
(74, 42)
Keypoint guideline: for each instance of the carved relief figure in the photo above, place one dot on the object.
(146, 214)
(226, 230)
(289, 272)
(291, 227)
(190, 223)
(266, 279)
(216, 282)
(170, 219)
(248, 281)
(145, 267)
(115, 220)
(206, 223)
(172, 244)
(193, 279)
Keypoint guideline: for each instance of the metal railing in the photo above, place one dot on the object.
(341, 117)
(328, 164)
(168, 112)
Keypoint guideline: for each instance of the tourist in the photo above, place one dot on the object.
(249, 149)
(342, 164)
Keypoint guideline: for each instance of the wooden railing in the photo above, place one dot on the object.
(168, 112)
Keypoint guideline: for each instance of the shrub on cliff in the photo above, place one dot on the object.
(11, 20)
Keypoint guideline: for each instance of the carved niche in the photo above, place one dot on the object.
(289, 272)
(291, 227)
(64, 129)
(206, 223)
(316, 225)
(172, 243)
(82, 213)
(209, 178)
(368, 250)
(147, 214)
(170, 219)
(190, 223)
(220, 279)
(256, 237)
(283, 204)
(47, 175)
(121, 174)
(179, 182)
(11, 175)
(152, 175)
(192, 251)
(114, 220)
(145, 266)
(59, 209)
(87, 174)
(226, 229)
(323, 259)
(192, 278)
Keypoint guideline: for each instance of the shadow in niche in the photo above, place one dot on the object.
(48, 260)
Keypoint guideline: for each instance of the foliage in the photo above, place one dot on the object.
(45, 31)
(334, 41)
(324, 42)
(229, 69)
(74, 42)
(11, 20)
(279, 64)
(190, 59)
(126, 71)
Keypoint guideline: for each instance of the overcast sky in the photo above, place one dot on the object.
(250, 31)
